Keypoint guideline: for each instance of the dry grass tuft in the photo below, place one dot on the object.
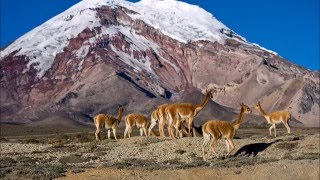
(180, 151)
(32, 141)
(73, 158)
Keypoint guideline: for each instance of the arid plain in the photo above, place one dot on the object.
(70, 151)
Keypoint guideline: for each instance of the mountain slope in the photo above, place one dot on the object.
(100, 53)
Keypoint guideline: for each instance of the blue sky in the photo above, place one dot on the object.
(291, 28)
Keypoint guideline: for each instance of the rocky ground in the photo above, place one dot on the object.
(37, 153)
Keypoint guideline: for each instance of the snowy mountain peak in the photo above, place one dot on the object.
(178, 20)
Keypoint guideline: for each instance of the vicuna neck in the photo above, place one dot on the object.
(205, 101)
(119, 115)
(236, 123)
(261, 111)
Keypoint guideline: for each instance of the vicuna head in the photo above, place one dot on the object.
(209, 93)
(257, 106)
(120, 108)
(245, 108)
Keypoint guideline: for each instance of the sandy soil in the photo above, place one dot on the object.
(287, 169)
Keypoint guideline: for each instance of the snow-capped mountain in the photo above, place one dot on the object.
(178, 20)
(99, 53)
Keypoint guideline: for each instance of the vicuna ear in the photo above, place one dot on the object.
(208, 89)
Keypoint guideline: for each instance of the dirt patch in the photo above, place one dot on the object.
(287, 146)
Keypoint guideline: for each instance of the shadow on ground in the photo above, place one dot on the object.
(253, 149)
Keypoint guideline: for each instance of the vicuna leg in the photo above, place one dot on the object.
(109, 133)
(129, 132)
(287, 126)
(141, 132)
(171, 123)
(145, 131)
(189, 126)
(115, 133)
(178, 129)
(270, 129)
(194, 132)
(97, 132)
(231, 147)
(161, 131)
(153, 123)
(206, 139)
(125, 132)
(275, 130)
(213, 142)
(171, 132)
(228, 147)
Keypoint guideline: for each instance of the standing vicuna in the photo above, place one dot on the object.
(109, 122)
(138, 120)
(179, 112)
(275, 118)
(159, 115)
(216, 129)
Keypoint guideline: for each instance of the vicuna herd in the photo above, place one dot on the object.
(173, 115)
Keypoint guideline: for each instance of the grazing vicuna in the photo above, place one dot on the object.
(138, 120)
(275, 118)
(179, 112)
(184, 130)
(109, 122)
(216, 129)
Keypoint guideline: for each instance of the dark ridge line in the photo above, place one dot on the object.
(126, 77)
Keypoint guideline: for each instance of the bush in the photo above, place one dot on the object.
(4, 172)
(32, 141)
(179, 151)
(7, 162)
(74, 158)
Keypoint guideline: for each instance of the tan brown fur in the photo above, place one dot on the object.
(109, 122)
(176, 113)
(159, 116)
(138, 120)
(275, 118)
(162, 118)
(217, 128)
(154, 120)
